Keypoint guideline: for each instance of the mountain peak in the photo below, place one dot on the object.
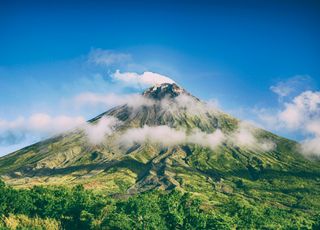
(160, 91)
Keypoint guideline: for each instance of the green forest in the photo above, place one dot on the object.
(78, 208)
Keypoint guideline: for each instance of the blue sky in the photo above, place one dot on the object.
(253, 57)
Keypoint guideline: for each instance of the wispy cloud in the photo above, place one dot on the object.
(110, 100)
(42, 123)
(90, 81)
(168, 136)
(158, 134)
(37, 125)
(292, 85)
(141, 80)
(298, 113)
(164, 135)
(303, 109)
(97, 132)
(188, 103)
(108, 57)
(245, 136)
(301, 114)
(211, 140)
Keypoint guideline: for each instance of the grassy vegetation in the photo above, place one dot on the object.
(19, 221)
(110, 186)
(234, 187)
(77, 208)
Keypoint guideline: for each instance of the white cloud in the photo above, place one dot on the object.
(304, 108)
(158, 134)
(181, 102)
(301, 114)
(96, 132)
(314, 127)
(267, 118)
(187, 103)
(245, 136)
(108, 57)
(111, 99)
(141, 80)
(190, 104)
(282, 89)
(211, 140)
(311, 145)
(291, 116)
(6, 125)
(41, 123)
(25, 130)
(213, 103)
(45, 123)
(168, 136)
(291, 85)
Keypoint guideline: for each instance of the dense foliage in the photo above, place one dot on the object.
(77, 208)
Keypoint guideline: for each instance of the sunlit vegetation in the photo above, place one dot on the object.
(77, 208)
(151, 185)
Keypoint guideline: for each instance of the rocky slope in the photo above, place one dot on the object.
(169, 139)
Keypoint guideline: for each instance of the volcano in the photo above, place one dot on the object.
(168, 139)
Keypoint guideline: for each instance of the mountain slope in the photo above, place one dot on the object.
(168, 139)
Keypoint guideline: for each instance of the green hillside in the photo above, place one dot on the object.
(253, 176)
